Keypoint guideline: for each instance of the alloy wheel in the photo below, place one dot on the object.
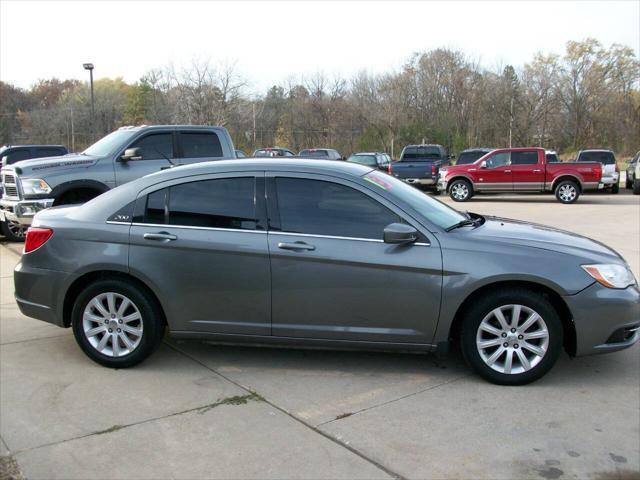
(459, 191)
(112, 324)
(512, 339)
(567, 193)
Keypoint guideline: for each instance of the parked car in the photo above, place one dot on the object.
(632, 171)
(419, 165)
(122, 156)
(273, 152)
(319, 253)
(379, 160)
(322, 153)
(520, 170)
(610, 170)
(240, 154)
(551, 156)
(10, 154)
(470, 155)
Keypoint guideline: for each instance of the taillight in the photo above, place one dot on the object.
(434, 169)
(36, 237)
(390, 170)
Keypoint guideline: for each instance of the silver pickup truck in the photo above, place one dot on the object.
(121, 156)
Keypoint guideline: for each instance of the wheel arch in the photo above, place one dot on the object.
(566, 176)
(554, 298)
(80, 283)
(59, 191)
(459, 176)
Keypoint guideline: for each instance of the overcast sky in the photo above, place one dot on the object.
(271, 41)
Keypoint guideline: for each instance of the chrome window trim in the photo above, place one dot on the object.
(335, 237)
(271, 232)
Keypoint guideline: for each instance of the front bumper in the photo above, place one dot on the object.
(605, 319)
(22, 211)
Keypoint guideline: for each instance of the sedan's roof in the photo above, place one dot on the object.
(294, 164)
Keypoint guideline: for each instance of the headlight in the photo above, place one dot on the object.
(611, 275)
(35, 186)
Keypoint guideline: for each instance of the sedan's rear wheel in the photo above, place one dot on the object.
(117, 324)
(512, 337)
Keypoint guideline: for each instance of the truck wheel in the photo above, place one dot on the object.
(615, 189)
(511, 336)
(116, 323)
(636, 186)
(460, 190)
(13, 231)
(629, 183)
(567, 191)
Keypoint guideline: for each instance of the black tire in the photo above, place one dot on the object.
(460, 190)
(12, 231)
(567, 191)
(636, 186)
(474, 316)
(628, 183)
(615, 189)
(152, 320)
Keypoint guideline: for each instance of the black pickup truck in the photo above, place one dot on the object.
(419, 165)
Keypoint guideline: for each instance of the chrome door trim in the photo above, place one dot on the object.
(335, 237)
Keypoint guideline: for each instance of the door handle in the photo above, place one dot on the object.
(507, 171)
(537, 170)
(295, 246)
(160, 236)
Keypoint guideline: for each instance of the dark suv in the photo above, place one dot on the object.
(10, 154)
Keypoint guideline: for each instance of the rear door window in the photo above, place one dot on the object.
(524, 158)
(326, 208)
(200, 145)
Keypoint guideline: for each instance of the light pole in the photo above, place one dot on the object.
(89, 66)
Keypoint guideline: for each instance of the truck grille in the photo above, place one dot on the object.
(10, 185)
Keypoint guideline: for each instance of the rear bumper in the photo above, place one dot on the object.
(419, 181)
(22, 211)
(39, 293)
(608, 181)
(605, 319)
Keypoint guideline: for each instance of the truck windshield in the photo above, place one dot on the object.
(110, 143)
(606, 158)
(421, 153)
(430, 208)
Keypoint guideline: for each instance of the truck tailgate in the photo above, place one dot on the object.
(404, 170)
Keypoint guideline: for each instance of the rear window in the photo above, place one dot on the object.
(200, 145)
(421, 153)
(368, 160)
(606, 158)
(314, 153)
(469, 157)
(524, 158)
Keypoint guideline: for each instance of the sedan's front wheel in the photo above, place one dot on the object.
(511, 337)
(116, 323)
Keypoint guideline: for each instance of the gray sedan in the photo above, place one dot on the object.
(319, 253)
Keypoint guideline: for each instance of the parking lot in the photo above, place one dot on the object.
(196, 410)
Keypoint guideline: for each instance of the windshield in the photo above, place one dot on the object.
(314, 153)
(110, 143)
(606, 158)
(430, 208)
(421, 153)
(466, 158)
(368, 160)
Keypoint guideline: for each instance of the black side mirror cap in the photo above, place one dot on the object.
(400, 233)
(131, 154)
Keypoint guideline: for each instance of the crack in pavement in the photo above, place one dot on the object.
(350, 414)
(235, 400)
(61, 334)
(329, 437)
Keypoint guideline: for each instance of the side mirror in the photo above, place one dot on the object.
(451, 157)
(131, 154)
(483, 164)
(4, 161)
(400, 233)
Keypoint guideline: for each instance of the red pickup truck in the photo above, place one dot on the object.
(520, 170)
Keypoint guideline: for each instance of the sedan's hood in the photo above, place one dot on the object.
(73, 160)
(533, 235)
